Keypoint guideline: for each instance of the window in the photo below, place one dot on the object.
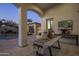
(49, 23)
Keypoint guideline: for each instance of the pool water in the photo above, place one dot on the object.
(8, 37)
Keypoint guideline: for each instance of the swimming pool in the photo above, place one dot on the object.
(8, 37)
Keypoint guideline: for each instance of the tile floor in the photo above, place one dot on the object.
(10, 48)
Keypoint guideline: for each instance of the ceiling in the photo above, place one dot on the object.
(46, 6)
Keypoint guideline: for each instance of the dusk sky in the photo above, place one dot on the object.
(10, 12)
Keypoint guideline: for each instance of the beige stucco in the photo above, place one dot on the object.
(63, 12)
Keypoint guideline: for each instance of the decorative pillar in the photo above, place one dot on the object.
(43, 25)
(22, 27)
(35, 29)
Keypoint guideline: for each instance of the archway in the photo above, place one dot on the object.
(33, 22)
(23, 8)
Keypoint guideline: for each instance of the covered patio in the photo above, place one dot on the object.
(52, 13)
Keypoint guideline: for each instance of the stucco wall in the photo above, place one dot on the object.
(63, 12)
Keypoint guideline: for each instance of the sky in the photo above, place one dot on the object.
(34, 16)
(10, 12)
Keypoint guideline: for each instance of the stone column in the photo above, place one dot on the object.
(43, 25)
(22, 27)
(35, 29)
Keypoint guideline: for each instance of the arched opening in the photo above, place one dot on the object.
(34, 22)
(8, 25)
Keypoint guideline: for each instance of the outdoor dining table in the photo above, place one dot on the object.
(42, 44)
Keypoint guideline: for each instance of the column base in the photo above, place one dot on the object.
(24, 45)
